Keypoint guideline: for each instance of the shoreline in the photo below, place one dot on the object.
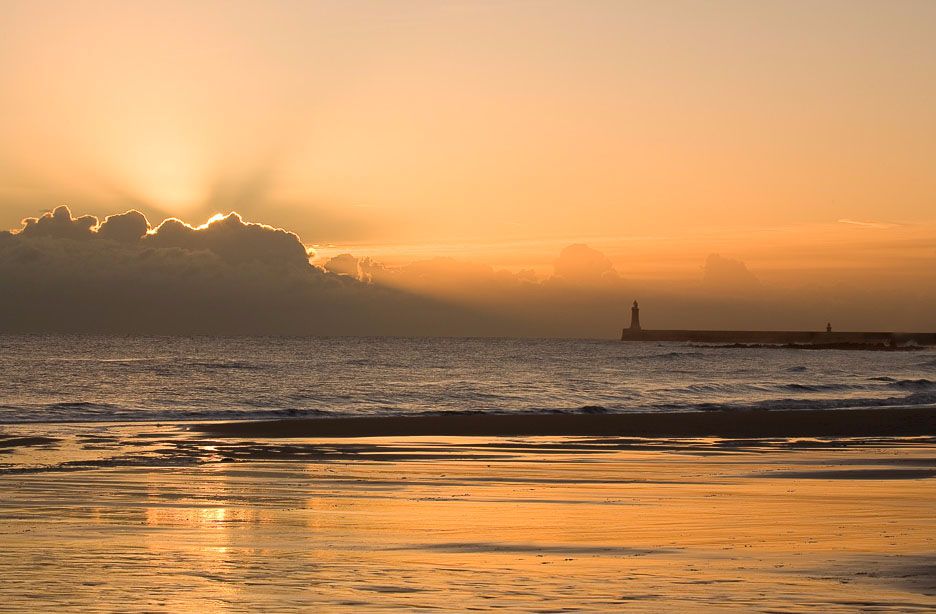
(890, 422)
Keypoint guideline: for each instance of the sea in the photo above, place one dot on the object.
(82, 378)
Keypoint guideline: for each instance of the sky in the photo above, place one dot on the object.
(794, 138)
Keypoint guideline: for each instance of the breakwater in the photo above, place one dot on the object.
(780, 337)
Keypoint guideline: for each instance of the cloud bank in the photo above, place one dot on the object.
(66, 273)
(228, 237)
(62, 273)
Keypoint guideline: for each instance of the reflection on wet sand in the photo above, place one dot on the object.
(174, 521)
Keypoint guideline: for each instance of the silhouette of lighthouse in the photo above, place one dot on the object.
(633, 332)
(635, 317)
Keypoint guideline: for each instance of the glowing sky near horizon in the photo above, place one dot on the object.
(507, 123)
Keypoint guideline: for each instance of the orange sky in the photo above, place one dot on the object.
(493, 131)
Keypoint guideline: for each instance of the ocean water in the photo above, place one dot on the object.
(61, 378)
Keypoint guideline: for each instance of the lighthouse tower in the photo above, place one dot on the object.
(635, 317)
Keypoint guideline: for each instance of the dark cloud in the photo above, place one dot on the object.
(59, 273)
(59, 224)
(344, 264)
(233, 240)
(726, 275)
(228, 237)
(126, 227)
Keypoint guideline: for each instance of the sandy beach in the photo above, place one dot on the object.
(169, 517)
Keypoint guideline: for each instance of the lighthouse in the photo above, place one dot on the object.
(633, 333)
(635, 317)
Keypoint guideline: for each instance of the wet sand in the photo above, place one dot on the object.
(719, 423)
(164, 518)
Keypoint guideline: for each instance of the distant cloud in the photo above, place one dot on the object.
(580, 264)
(439, 276)
(728, 276)
(344, 264)
(577, 265)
